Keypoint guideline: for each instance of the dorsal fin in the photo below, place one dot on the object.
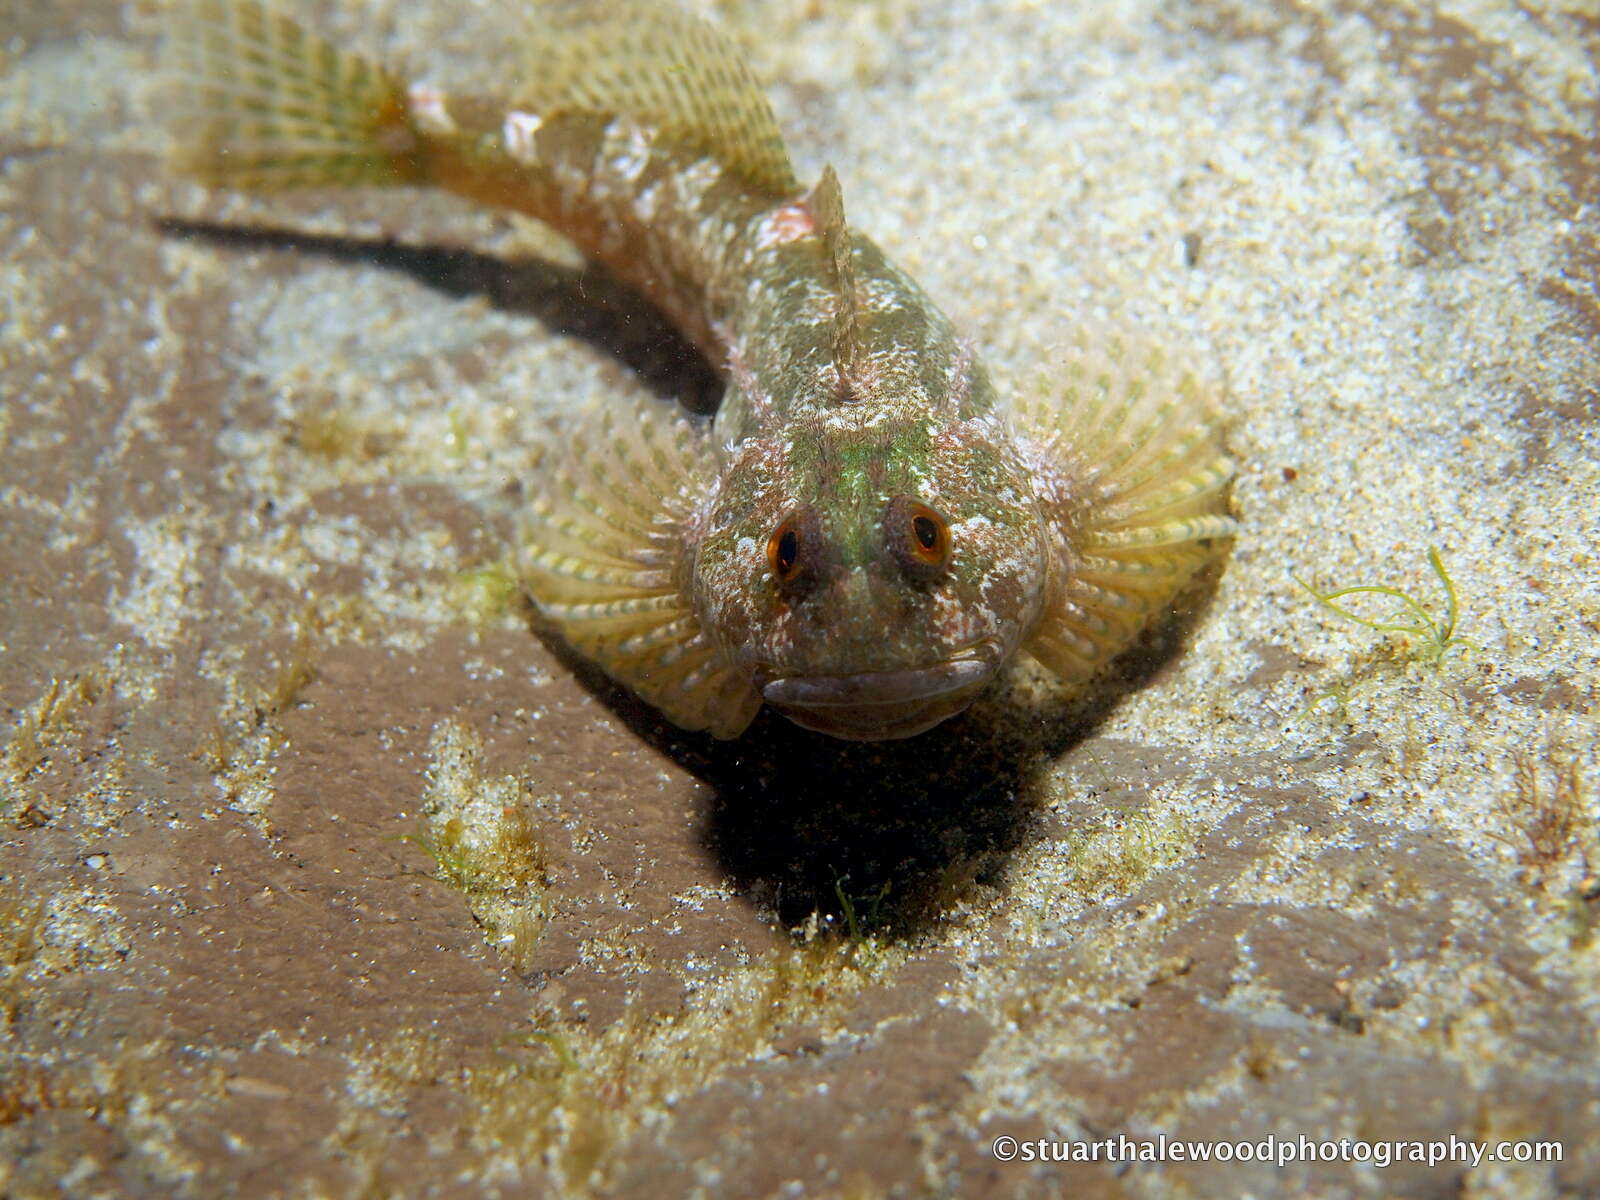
(826, 203)
(667, 70)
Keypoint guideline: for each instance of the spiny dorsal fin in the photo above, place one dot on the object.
(664, 69)
(826, 203)
(827, 209)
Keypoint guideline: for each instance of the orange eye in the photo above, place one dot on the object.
(783, 551)
(918, 537)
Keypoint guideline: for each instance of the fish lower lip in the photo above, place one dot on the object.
(880, 705)
(877, 687)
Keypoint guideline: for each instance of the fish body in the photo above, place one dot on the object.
(867, 534)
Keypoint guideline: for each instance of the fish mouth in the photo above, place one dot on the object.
(879, 705)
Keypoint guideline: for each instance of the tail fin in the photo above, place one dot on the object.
(262, 104)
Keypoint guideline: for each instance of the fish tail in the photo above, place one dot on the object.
(262, 104)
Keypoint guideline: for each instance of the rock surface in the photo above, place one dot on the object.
(321, 875)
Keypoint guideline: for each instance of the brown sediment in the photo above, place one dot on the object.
(1208, 908)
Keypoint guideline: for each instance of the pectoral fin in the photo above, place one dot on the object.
(1135, 481)
(606, 556)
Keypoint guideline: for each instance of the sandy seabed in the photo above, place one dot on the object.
(320, 874)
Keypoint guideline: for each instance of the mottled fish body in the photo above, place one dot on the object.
(867, 534)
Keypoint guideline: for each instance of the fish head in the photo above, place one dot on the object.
(872, 575)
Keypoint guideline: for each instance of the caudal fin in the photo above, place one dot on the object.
(259, 103)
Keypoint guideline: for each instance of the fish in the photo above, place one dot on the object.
(867, 534)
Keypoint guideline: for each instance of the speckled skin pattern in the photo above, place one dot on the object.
(864, 537)
(848, 388)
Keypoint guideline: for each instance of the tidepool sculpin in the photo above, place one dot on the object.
(867, 533)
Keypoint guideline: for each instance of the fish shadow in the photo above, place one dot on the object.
(885, 839)
(588, 303)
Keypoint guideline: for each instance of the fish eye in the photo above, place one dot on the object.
(783, 551)
(932, 537)
(796, 550)
(918, 537)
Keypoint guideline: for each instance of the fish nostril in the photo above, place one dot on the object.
(852, 589)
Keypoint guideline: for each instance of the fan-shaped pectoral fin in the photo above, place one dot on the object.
(1133, 476)
(606, 556)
